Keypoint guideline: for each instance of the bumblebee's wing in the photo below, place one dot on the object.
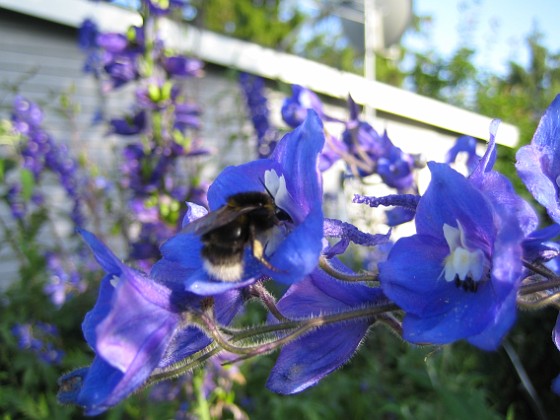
(216, 219)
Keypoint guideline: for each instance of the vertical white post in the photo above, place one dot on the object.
(373, 41)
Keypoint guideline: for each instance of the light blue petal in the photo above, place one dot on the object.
(538, 164)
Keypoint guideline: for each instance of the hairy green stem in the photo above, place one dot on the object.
(258, 290)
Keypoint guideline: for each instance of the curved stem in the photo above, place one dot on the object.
(525, 380)
(367, 276)
(299, 328)
(540, 303)
(258, 290)
(184, 366)
(540, 286)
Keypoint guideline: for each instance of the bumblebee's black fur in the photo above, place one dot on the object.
(227, 231)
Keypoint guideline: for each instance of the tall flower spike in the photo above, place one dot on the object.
(457, 278)
(291, 250)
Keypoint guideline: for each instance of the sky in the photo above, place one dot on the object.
(496, 29)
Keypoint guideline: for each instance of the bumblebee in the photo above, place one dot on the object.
(243, 221)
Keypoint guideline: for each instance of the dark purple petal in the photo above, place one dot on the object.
(183, 66)
(464, 144)
(87, 35)
(538, 245)
(305, 361)
(112, 42)
(294, 108)
(190, 340)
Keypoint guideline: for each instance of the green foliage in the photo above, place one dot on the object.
(386, 379)
(257, 21)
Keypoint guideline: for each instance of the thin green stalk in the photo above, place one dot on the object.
(202, 407)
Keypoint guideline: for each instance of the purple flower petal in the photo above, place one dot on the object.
(305, 361)
(538, 164)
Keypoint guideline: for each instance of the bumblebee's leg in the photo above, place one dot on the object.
(258, 249)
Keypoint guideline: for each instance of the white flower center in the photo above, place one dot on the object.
(115, 280)
(464, 266)
(276, 186)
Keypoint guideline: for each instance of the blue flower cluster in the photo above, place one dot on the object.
(41, 339)
(460, 277)
(476, 256)
(40, 152)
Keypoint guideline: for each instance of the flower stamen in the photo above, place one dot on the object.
(463, 266)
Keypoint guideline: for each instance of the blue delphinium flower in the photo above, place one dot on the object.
(294, 108)
(396, 168)
(182, 66)
(130, 125)
(538, 246)
(457, 278)
(39, 338)
(375, 153)
(135, 327)
(464, 144)
(253, 88)
(294, 111)
(290, 175)
(27, 116)
(40, 151)
(64, 280)
(308, 359)
(538, 164)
